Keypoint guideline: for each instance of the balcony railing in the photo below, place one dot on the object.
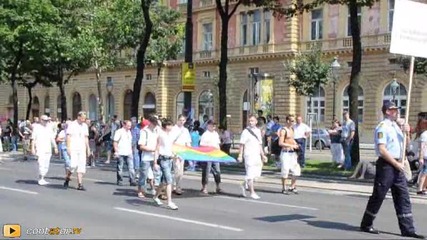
(206, 3)
(206, 54)
(343, 43)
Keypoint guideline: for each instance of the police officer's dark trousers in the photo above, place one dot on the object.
(388, 177)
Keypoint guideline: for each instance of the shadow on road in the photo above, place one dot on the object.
(125, 192)
(283, 218)
(332, 225)
(34, 182)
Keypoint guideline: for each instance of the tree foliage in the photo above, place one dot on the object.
(420, 64)
(307, 72)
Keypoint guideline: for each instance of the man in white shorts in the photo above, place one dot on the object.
(252, 151)
(288, 156)
(78, 149)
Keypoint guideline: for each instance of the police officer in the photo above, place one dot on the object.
(389, 174)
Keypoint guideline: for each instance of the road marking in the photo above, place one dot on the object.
(3, 168)
(18, 190)
(180, 219)
(267, 203)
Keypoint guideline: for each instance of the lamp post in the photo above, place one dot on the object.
(335, 66)
(394, 85)
(109, 85)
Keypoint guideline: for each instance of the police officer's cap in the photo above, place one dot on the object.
(389, 105)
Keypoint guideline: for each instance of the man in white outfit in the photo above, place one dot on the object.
(43, 140)
(78, 149)
(252, 151)
(181, 136)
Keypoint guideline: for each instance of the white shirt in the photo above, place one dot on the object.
(300, 130)
(78, 134)
(165, 143)
(148, 138)
(423, 139)
(210, 139)
(251, 144)
(181, 135)
(43, 139)
(123, 138)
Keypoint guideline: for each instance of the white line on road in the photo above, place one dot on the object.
(180, 219)
(18, 190)
(267, 203)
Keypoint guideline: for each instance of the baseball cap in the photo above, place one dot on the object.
(389, 105)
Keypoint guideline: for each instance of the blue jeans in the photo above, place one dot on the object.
(14, 141)
(165, 164)
(301, 152)
(347, 153)
(136, 158)
(63, 149)
(129, 163)
(143, 172)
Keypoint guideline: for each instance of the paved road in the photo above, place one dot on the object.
(108, 211)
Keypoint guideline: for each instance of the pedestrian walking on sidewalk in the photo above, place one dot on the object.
(252, 151)
(78, 149)
(210, 138)
(390, 174)
(301, 132)
(123, 152)
(43, 140)
(288, 156)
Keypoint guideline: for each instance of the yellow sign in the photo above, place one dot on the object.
(266, 98)
(188, 72)
(12, 230)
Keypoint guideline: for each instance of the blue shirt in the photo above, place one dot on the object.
(135, 135)
(389, 133)
(195, 138)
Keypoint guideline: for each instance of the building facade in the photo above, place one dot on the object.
(258, 47)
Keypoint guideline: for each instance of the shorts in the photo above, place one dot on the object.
(92, 145)
(253, 171)
(165, 164)
(108, 145)
(78, 162)
(424, 167)
(289, 164)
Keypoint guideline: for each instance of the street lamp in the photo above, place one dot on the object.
(109, 85)
(335, 66)
(394, 85)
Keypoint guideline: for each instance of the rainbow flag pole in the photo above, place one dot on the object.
(202, 154)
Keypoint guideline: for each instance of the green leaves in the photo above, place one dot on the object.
(307, 72)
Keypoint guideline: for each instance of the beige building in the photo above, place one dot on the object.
(258, 43)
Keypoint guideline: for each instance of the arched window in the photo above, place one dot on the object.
(110, 106)
(93, 107)
(346, 102)
(149, 106)
(206, 104)
(77, 104)
(36, 107)
(317, 104)
(47, 105)
(399, 97)
(245, 109)
(127, 105)
(179, 104)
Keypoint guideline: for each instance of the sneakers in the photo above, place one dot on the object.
(43, 182)
(255, 196)
(157, 201)
(81, 188)
(66, 183)
(242, 187)
(293, 190)
(172, 206)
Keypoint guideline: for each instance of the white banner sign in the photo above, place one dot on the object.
(409, 34)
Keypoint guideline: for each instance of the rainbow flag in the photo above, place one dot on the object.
(202, 154)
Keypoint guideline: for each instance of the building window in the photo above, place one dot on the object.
(399, 99)
(179, 104)
(317, 105)
(148, 77)
(77, 104)
(206, 74)
(36, 107)
(244, 29)
(359, 20)
(110, 106)
(207, 36)
(182, 1)
(317, 24)
(254, 70)
(267, 23)
(360, 99)
(206, 105)
(127, 105)
(47, 105)
(149, 106)
(93, 105)
(390, 14)
(256, 27)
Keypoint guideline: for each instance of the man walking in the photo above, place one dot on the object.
(135, 130)
(210, 138)
(347, 135)
(181, 136)
(389, 174)
(301, 133)
(123, 151)
(42, 144)
(78, 149)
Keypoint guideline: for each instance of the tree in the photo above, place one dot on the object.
(29, 84)
(299, 7)
(420, 64)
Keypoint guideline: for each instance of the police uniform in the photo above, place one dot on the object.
(389, 133)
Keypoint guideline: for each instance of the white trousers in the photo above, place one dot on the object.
(44, 162)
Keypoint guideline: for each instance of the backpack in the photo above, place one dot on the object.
(275, 148)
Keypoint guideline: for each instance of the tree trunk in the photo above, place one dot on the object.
(30, 102)
(15, 99)
(98, 84)
(353, 91)
(140, 57)
(222, 83)
(63, 99)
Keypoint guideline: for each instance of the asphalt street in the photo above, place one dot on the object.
(106, 210)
